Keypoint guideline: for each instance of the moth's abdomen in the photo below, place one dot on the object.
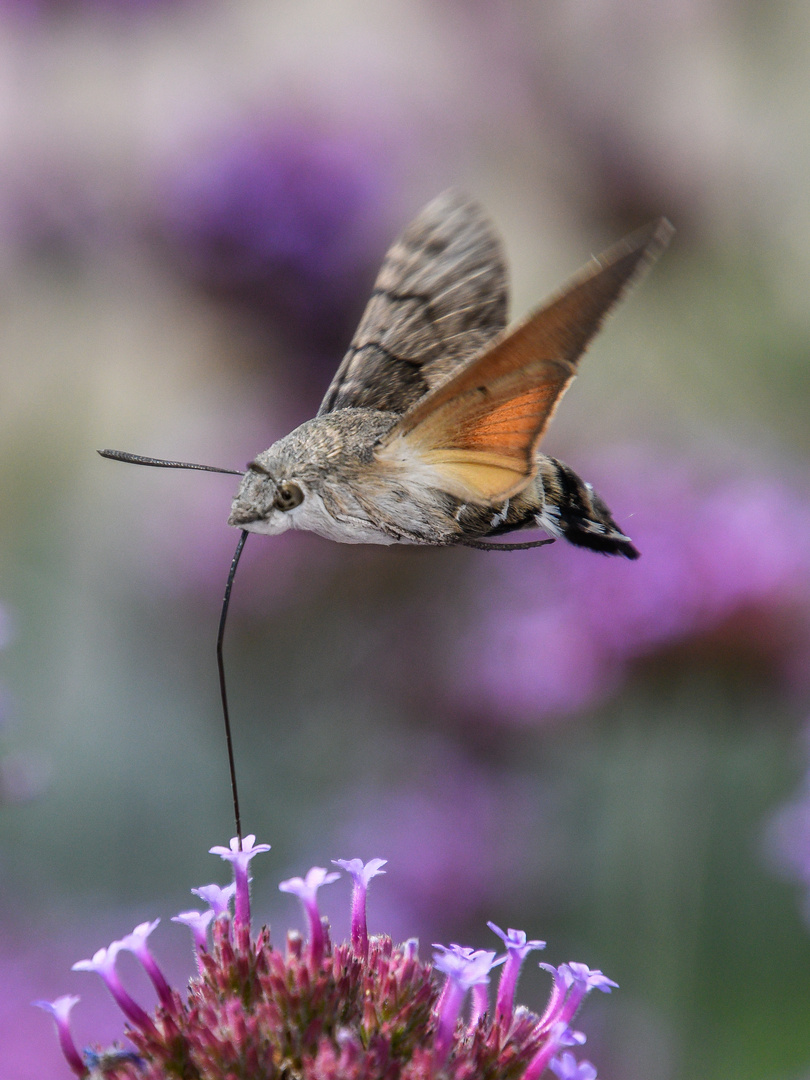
(577, 511)
(557, 501)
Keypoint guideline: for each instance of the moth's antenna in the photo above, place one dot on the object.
(222, 689)
(481, 545)
(160, 463)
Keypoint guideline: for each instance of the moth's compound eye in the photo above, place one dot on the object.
(288, 496)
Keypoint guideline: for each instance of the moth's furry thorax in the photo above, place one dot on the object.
(340, 440)
(325, 457)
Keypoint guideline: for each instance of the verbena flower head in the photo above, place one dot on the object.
(364, 1010)
(280, 213)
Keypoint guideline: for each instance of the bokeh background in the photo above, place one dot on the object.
(194, 199)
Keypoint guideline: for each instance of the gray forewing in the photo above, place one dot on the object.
(439, 298)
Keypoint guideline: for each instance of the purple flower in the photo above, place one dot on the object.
(60, 1011)
(198, 923)
(306, 889)
(572, 983)
(283, 215)
(329, 1013)
(103, 963)
(567, 1067)
(217, 897)
(136, 944)
(361, 873)
(465, 969)
(552, 644)
(580, 975)
(517, 948)
(557, 1035)
(239, 855)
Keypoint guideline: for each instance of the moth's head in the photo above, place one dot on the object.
(274, 489)
(265, 503)
(283, 487)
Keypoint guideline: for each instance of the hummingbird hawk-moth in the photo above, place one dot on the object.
(429, 431)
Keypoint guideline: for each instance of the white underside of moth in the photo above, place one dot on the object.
(312, 516)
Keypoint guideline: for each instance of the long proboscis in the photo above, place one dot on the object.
(222, 688)
(162, 463)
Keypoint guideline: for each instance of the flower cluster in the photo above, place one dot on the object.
(282, 216)
(363, 1010)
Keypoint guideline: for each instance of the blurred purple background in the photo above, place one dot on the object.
(194, 201)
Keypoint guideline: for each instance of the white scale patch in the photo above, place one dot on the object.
(313, 516)
(549, 519)
(500, 517)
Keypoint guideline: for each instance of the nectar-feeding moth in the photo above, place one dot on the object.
(429, 431)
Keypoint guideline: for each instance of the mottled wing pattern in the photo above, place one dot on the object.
(439, 299)
(477, 434)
